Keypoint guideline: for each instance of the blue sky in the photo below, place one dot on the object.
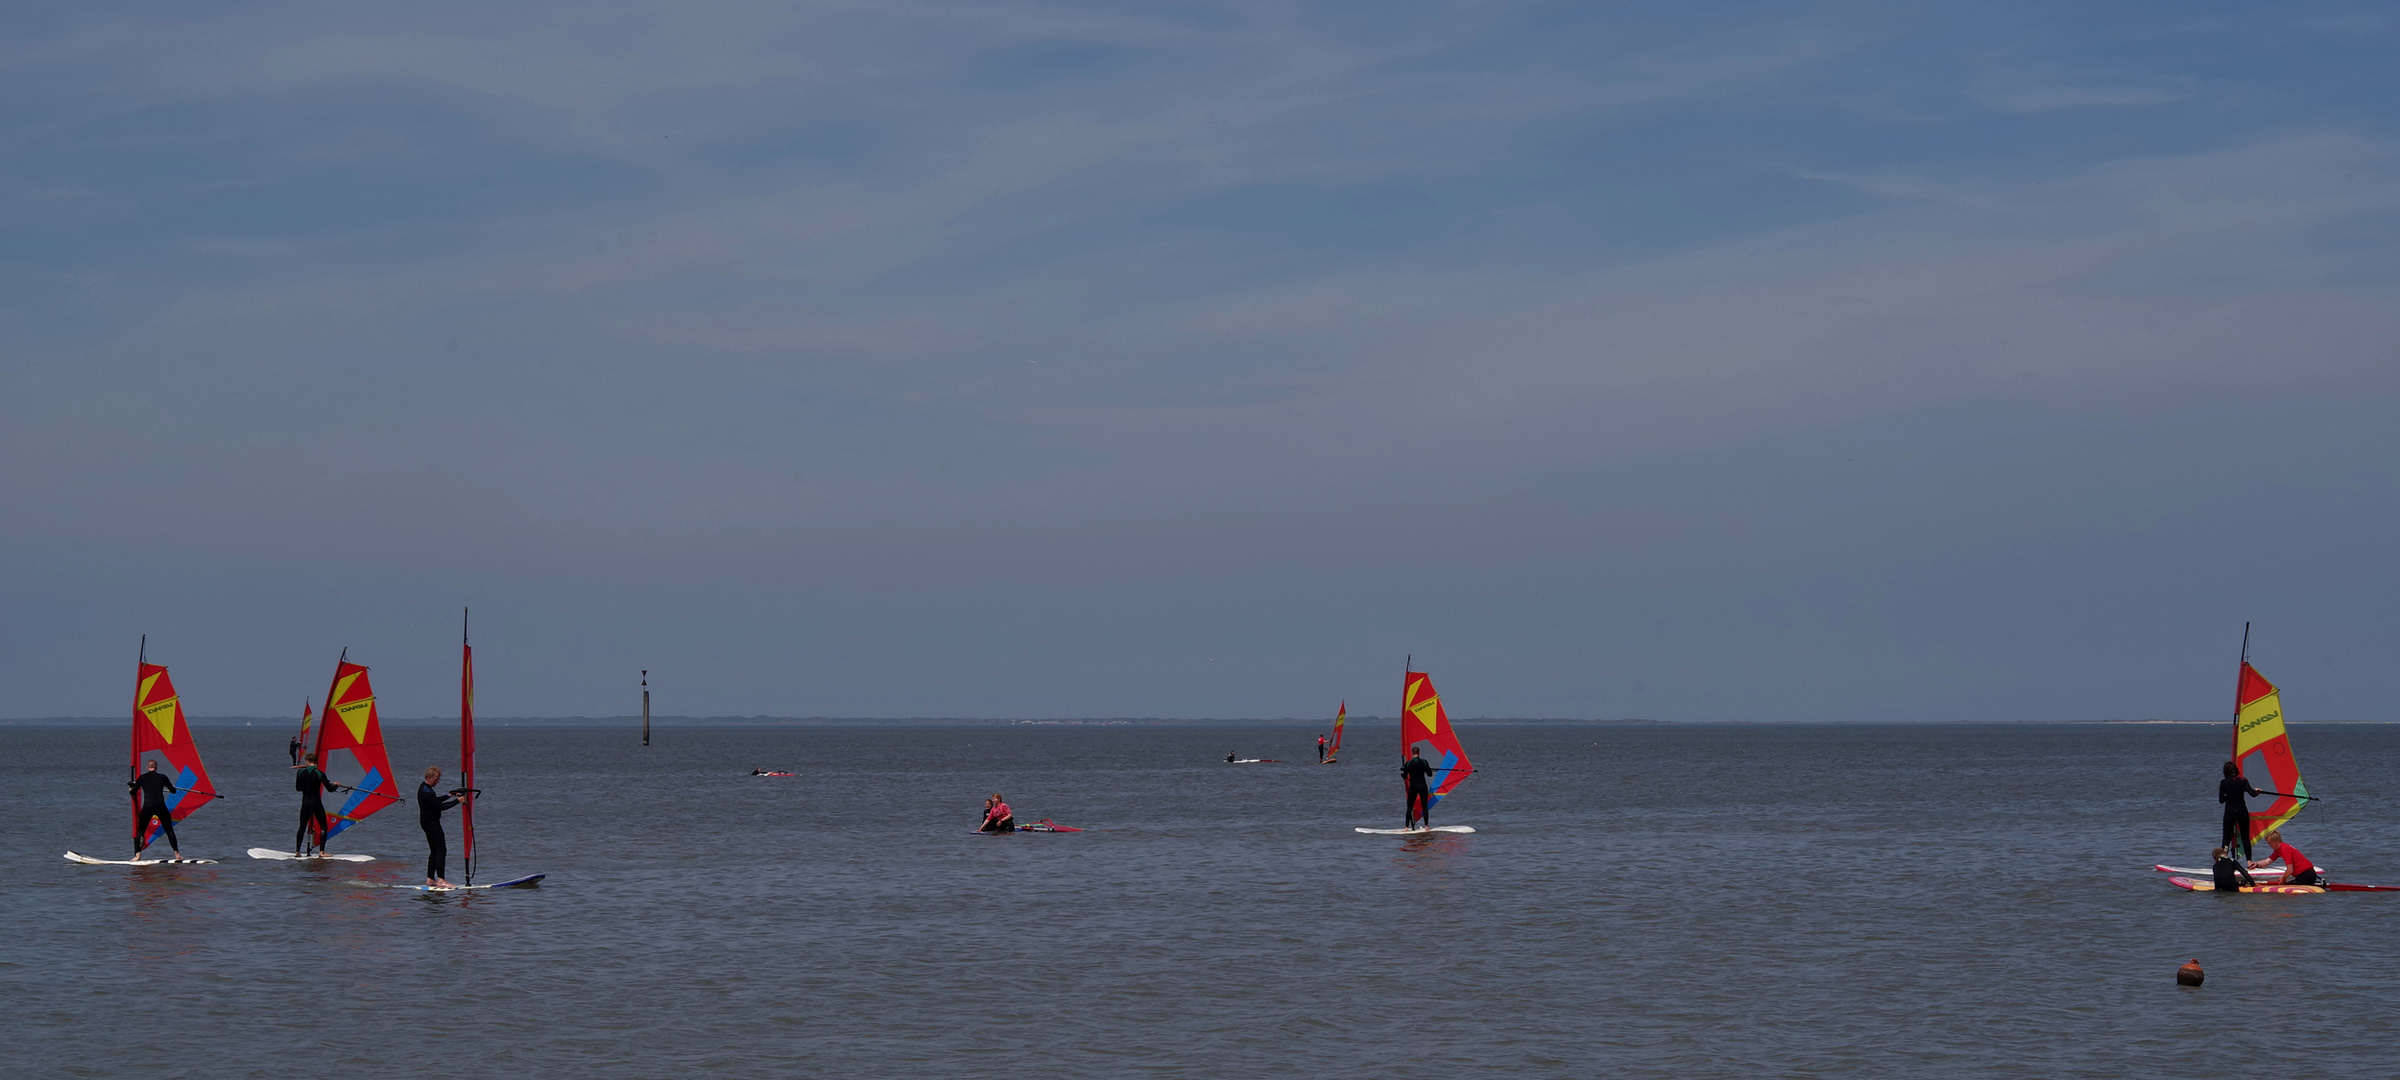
(1699, 362)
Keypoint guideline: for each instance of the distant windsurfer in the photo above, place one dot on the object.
(2234, 791)
(2230, 874)
(312, 785)
(1418, 772)
(430, 804)
(996, 816)
(2297, 870)
(153, 786)
(295, 750)
(1320, 749)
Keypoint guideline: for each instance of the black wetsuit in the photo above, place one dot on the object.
(2233, 792)
(2232, 875)
(312, 786)
(295, 749)
(430, 804)
(1420, 799)
(153, 787)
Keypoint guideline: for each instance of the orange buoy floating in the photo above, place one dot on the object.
(2190, 974)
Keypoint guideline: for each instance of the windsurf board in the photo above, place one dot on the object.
(271, 853)
(1418, 832)
(73, 857)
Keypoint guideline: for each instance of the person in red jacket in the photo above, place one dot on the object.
(2297, 870)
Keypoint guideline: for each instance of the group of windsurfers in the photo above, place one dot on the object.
(2234, 874)
(153, 787)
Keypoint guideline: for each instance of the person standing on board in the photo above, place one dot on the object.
(2234, 791)
(2297, 870)
(295, 751)
(1320, 749)
(2231, 875)
(312, 785)
(1418, 772)
(153, 786)
(430, 804)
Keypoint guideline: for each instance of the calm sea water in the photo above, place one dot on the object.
(1730, 901)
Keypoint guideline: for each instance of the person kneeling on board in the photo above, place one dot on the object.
(2231, 875)
(2297, 870)
(153, 786)
(1420, 800)
(996, 816)
(430, 804)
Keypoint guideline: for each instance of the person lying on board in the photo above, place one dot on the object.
(430, 804)
(2231, 875)
(996, 816)
(2297, 870)
(1418, 772)
(312, 785)
(153, 786)
(2235, 791)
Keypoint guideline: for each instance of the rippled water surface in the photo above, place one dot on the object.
(1932, 900)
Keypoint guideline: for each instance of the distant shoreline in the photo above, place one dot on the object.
(952, 721)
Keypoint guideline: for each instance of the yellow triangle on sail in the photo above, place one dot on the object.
(354, 714)
(161, 714)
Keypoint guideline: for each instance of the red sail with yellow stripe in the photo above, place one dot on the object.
(1423, 721)
(350, 724)
(2263, 751)
(159, 729)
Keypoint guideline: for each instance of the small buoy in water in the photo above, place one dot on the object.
(2190, 974)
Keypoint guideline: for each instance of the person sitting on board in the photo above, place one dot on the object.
(312, 785)
(153, 786)
(2297, 870)
(1420, 800)
(996, 816)
(2234, 792)
(430, 804)
(2231, 875)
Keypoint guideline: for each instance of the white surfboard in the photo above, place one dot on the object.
(512, 883)
(73, 857)
(271, 853)
(2265, 875)
(1419, 832)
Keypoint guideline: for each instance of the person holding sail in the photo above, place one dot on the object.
(430, 804)
(312, 784)
(1418, 772)
(2234, 791)
(153, 786)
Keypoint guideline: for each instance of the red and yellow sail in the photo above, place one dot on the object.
(160, 730)
(1423, 721)
(350, 724)
(1339, 715)
(2263, 751)
(307, 719)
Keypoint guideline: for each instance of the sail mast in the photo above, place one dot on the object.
(645, 706)
(2237, 695)
(133, 740)
(466, 741)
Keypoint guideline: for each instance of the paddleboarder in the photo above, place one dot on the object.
(153, 786)
(2234, 791)
(2297, 870)
(430, 804)
(996, 816)
(1418, 773)
(2230, 874)
(312, 784)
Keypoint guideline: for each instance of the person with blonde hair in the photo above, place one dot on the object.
(430, 804)
(2297, 870)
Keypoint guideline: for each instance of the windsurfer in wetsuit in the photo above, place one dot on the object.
(996, 816)
(312, 785)
(2297, 870)
(2234, 791)
(1320, 749)
(2231, 875)
(430, 804)
(1417, 771)
(295, 750)
(153, 786)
